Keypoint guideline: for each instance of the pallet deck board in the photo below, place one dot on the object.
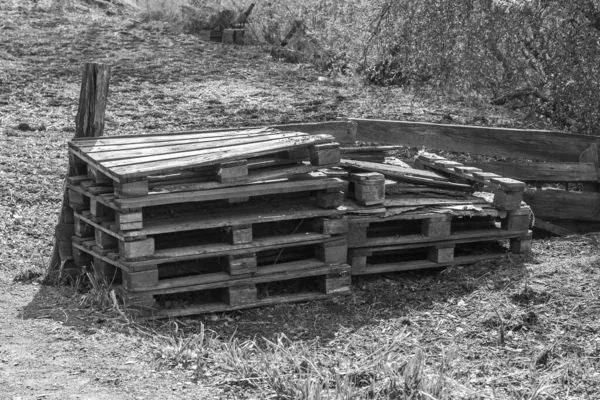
(128, 156)
(144, 156)
(226, 193)
(424, 264)
(418, 240)
(222, 249)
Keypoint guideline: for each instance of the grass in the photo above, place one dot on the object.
(517, 328)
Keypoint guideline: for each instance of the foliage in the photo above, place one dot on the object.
(538, 54)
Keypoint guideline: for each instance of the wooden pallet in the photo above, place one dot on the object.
(435, 224)
(453, 251)
(185, 265)
(231, 229)
(329, 193)
(267, 287)
(132, 164)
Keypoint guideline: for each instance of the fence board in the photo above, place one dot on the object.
(542, 172)
(559, 204)
(502, 142)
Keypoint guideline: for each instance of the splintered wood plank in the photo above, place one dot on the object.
(215, 250)
(497, 142)
(224, 218)
(163, 141)
(409, 202)
(134, 156)
(422, 264)
(392, 171)
(226, 193)
(145, 166)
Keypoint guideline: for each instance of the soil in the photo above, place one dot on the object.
(55, 346)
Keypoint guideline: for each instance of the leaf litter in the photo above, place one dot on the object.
(520, 327)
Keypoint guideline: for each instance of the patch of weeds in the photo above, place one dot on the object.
(29, 274)
(529, 296)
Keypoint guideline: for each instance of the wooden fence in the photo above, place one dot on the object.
(549, 157)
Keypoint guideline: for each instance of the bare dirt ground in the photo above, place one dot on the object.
(54, 346)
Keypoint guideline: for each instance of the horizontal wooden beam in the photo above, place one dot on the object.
(542, 172)
(501, 142)
(344, 132)
(559, 204)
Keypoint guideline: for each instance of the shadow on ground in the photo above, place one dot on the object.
(374, 298)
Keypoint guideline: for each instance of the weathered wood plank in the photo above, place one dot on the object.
(133, 156)
(218, 194)
(559, 204)
(392, 171)
(552, 228)
(112, 144)
(344, 132)
(502, 142)
(188, 159)
(422, 264)
(542, 172)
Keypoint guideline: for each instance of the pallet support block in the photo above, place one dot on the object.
(99, 210)
(241, 264)
(136, 249)
(233, 172)
(436, 227)
(369, 188)
(98, 177)
(508, 200)
(131, 189)
(139, 300)
(142, 279)
(441, 253)
(335, 252)
(298, 153)
(517, 220)
(336, 283)
(358, 262)
(82, 228)
(80, 257)
(521, 245)
(240, 295)
(239, 234)
(104, 240)
(105, 271)
(131, 220)
(330, 200)
(357, 232)
(325, 154)
(332, 226)
(78, 201)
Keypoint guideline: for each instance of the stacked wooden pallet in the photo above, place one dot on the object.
(197, 222)
(430, 218)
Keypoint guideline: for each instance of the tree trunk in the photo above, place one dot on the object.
(89, 122)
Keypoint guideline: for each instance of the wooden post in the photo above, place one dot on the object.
(89, 122)
(590, 155)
